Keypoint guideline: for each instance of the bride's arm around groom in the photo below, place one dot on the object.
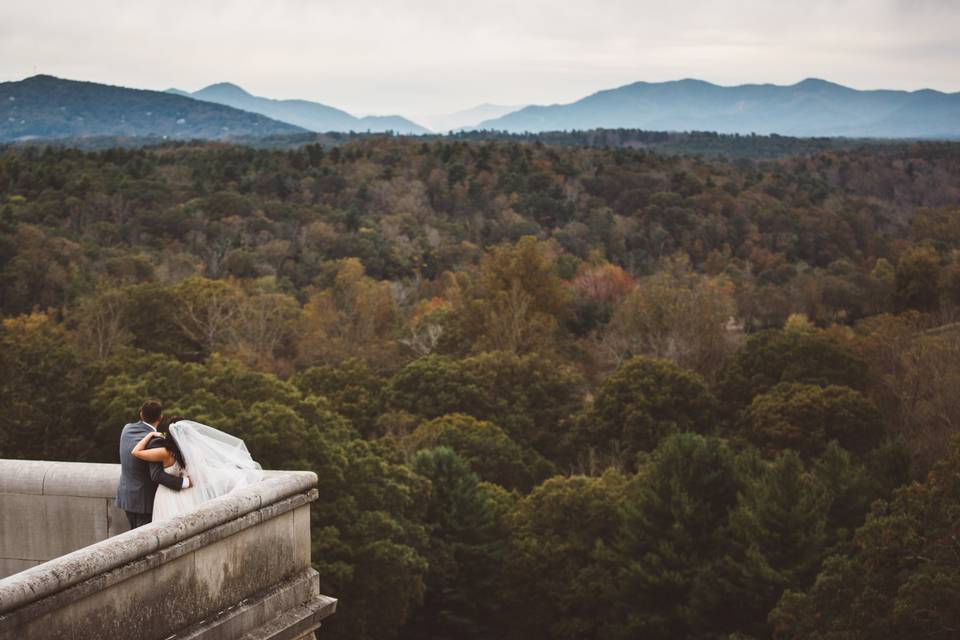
(139, 479)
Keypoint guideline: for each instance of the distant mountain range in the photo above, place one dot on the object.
(45, 107)
(809, 108)
(312, 116)
(468, 118)
(48, 107)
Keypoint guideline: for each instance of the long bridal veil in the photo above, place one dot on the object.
(217, 462)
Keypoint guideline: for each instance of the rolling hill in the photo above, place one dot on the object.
(45, 107)
(809, 108)
(312, 116)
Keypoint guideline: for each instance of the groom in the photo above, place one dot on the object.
(138, 478)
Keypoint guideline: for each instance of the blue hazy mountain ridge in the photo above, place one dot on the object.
(812, 107)
(312, 116)
(47, 107)
(467, 119)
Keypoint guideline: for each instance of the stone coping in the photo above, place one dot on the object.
(51, 477)
(62, 572)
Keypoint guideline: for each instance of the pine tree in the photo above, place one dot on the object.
(466, 549)
(674, 540)
(779, 527)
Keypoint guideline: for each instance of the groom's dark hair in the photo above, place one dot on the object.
(151, 411)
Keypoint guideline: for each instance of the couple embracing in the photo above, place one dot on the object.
(164, 475)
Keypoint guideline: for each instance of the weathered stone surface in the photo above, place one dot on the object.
(9, 566)
(59, 507)
(116, 519)
(247, 553)
(301, 533)
(170, 595)
(63, 571)
(290, 609)
(48, 526)
(280, 486)
(89, 479)
(23, 476)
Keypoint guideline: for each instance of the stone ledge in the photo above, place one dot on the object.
(80, 590)
(24, 476)
(139, 548)
(298, 601)
(91, 479)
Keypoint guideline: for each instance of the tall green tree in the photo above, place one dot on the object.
(675, 539)
(641, 403)
(352, 388)
(779, 529)
(528, 396)
(465, 552)
(805, 417)
(774, 356)
(562, 533)
(44, 391)
(902, 582)
(489, 451)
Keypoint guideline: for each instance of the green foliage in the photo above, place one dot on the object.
(852, 486)
(369, 541)
(644, 401)
(527, 396)
(917, 279)
(771, 357)
(44, 390)
(486, 447)
(352, 390)
(805, 417)
(561, 534)
(466, 549)
(779, 527)
(433, 386)
(406, 318)
(903, 581)
(675, 534)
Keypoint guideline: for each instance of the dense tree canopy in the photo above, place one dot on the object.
(644, 401)
(903, 579)
(805, 417)
(552, 387)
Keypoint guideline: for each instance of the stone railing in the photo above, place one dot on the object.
(237, 567)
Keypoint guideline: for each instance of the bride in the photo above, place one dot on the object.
(217, 463)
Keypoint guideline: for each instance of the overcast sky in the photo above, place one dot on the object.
(417, 57)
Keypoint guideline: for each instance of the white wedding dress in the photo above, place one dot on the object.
(216, 462)
(168, 503)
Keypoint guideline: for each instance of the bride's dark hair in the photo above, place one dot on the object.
(170, 443)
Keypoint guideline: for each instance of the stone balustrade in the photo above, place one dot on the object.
(238, 567)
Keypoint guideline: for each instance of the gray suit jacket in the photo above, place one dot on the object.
(139, 478)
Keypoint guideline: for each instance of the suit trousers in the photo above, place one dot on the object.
(138, 519)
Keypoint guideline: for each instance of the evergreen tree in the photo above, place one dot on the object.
(561, 533)
(903, 581)
(674, 541)
(779, 527)
(465, 551)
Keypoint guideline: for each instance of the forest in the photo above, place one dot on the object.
(559, 391)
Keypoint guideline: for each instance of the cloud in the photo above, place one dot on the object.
(429, 56)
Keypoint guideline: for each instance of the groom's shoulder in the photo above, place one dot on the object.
(133, 426)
